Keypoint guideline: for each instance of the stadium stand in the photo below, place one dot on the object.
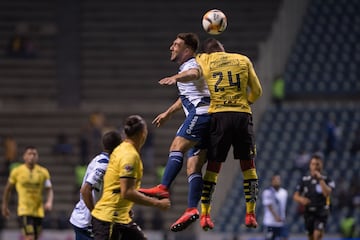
(28, 53)
(324, 59)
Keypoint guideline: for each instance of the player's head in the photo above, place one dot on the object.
(135, 128)
(110, 141)
(316, 162)
(183, 47)
(30, 156)
(211, 45)
(191, 40)
(276, 181)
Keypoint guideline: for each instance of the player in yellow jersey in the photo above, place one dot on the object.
(111, 219)
(233, 86)
(30, 181)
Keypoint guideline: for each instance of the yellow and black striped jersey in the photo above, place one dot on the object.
(232, 81)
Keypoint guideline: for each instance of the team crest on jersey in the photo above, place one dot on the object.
(129, 168)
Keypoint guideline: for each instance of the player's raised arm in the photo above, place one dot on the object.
(188, 75)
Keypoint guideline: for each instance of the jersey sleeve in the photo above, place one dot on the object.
(200, 59)
(190, 65)
(267, 198)
(47, 181)
(12, 177)
(299, 186)
(254, 84)
(330, 183)
(128, 166)
(97, 175)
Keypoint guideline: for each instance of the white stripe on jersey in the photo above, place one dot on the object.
(81, 216)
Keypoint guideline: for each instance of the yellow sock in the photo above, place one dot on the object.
(250, 189)
(209, 183)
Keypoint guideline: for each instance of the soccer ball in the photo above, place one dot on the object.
(214, 22)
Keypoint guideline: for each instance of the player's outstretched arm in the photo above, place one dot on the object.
(185, 76)
(129, 192)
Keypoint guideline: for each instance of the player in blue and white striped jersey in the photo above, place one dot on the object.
(91, 188)
(194, 99)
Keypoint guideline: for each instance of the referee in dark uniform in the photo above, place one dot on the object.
(313, 192)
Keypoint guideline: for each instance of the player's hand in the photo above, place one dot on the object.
(160, 119)
(5, 212)
(278, 219)
(168, 81)
(48, 206)
(317, 175)
(164, 203)
(305, 201)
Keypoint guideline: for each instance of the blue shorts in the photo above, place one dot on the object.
(196, 128)
(83, 233)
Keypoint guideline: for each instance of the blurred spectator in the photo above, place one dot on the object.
(278, 90)
(10, 153)
(301, 161)
(20, 46)
(342, 196)
(62, 146)
(355, 191)
(90, 138)
(80, 171)
(333, 132)
(349, 228)
(160, 172)
(355, 146)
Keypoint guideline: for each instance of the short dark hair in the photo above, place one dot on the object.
(190, 39)
(211, 45)
(318, 155)
(133, 125)
(111, 140)
(29, 147)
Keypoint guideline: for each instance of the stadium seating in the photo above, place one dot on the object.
(325, 54)
(321, 83)
(28, 76)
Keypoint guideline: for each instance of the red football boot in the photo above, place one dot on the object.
(250, 220)
(190, 216)
(159, 191)
(206, 223)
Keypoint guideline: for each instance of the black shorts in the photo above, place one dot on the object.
(315, 221)
(116, 231)
(30, 225)
(231, 129)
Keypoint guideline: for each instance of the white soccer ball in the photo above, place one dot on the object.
(214, 22)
